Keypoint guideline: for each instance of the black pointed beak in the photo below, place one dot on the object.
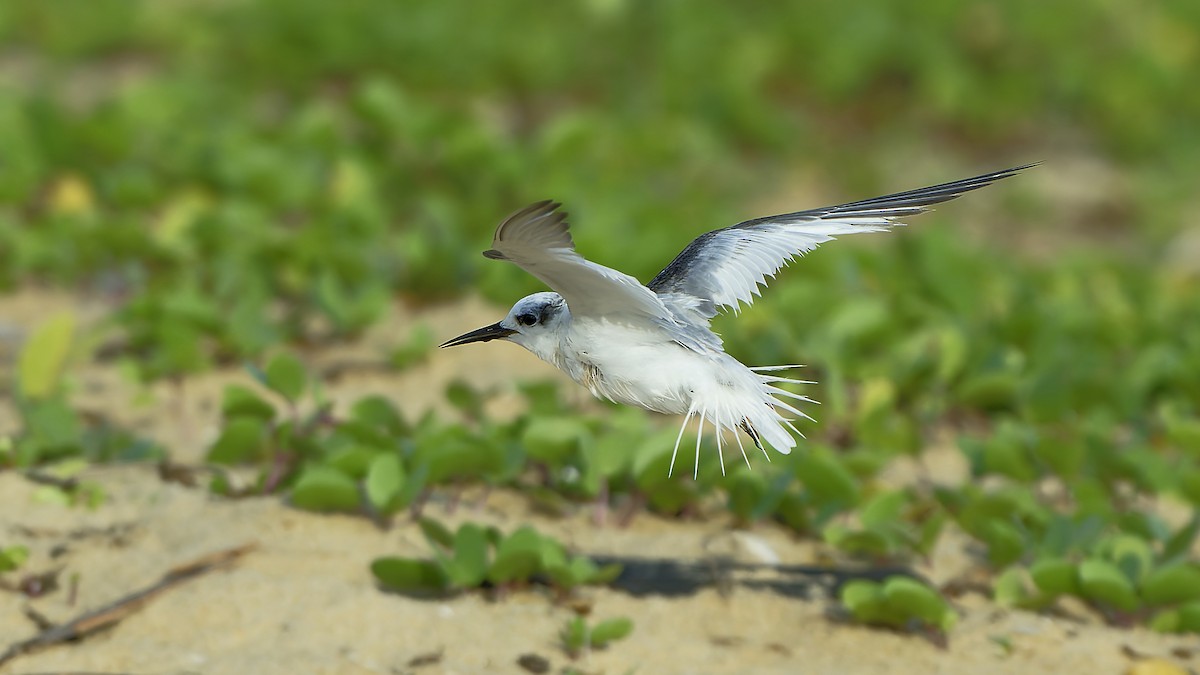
(492, 332)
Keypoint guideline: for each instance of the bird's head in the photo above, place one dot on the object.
(533, 323)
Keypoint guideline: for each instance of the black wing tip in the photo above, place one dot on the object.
(493, 254)
(539, 208)
(933, 194)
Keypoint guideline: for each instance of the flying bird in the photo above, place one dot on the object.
(651, 345)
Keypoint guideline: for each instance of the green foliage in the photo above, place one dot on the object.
(476, 557)
(51, 430)
(328, 463)
(353, 172)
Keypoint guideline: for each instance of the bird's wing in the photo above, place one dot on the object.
(726, 267)
(537, 239)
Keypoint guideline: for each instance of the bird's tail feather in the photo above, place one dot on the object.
(762, 409)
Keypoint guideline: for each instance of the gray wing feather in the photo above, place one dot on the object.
(537, 239)
(726, 267)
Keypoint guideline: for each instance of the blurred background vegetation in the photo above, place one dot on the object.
(233, 176)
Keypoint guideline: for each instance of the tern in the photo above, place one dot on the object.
(651, 345)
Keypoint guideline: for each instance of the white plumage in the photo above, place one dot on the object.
(651, 346)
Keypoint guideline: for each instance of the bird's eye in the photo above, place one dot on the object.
(526, 319)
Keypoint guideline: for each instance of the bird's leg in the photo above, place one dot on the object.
(751, 432)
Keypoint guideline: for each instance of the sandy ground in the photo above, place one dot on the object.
(304, 600)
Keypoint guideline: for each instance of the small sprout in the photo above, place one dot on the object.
(414, 350)
(1004, 642)
(898, 602)
(577, 636)
(12, 557)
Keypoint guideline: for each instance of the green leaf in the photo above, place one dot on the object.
(919, 601)
(865, 601)
(610, 630)
(1165, 622)
(469, 566)
(384, 480)
(285, 375)
(518, 557)
(793, 512)
(44, 355)
(406, 574)
(553, 440)
(242, 440)
(1105, 583)
(379, 412)
(1179, 543)
(1005, 542)
(884, 508)
(1009, 590)
(830, 486)
(1189, 485)
(354, 460)
(865, 542)
(1172, 584)
(52, 430)
(322, 488)
(465, 398)
(436, 533)
(238, 401)
(992, 391)
(745, 490)
(584, 571)
(1131, 554)
(1055, 576)
(1189, 618)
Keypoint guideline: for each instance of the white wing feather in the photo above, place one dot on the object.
(726, 267)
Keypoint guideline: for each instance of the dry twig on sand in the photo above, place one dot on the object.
(111, 614)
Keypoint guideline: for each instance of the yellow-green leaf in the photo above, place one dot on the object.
(44, 355)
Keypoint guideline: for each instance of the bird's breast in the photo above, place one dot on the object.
(638, 368)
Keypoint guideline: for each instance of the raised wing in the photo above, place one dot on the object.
(726, 267)
(537, 239)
